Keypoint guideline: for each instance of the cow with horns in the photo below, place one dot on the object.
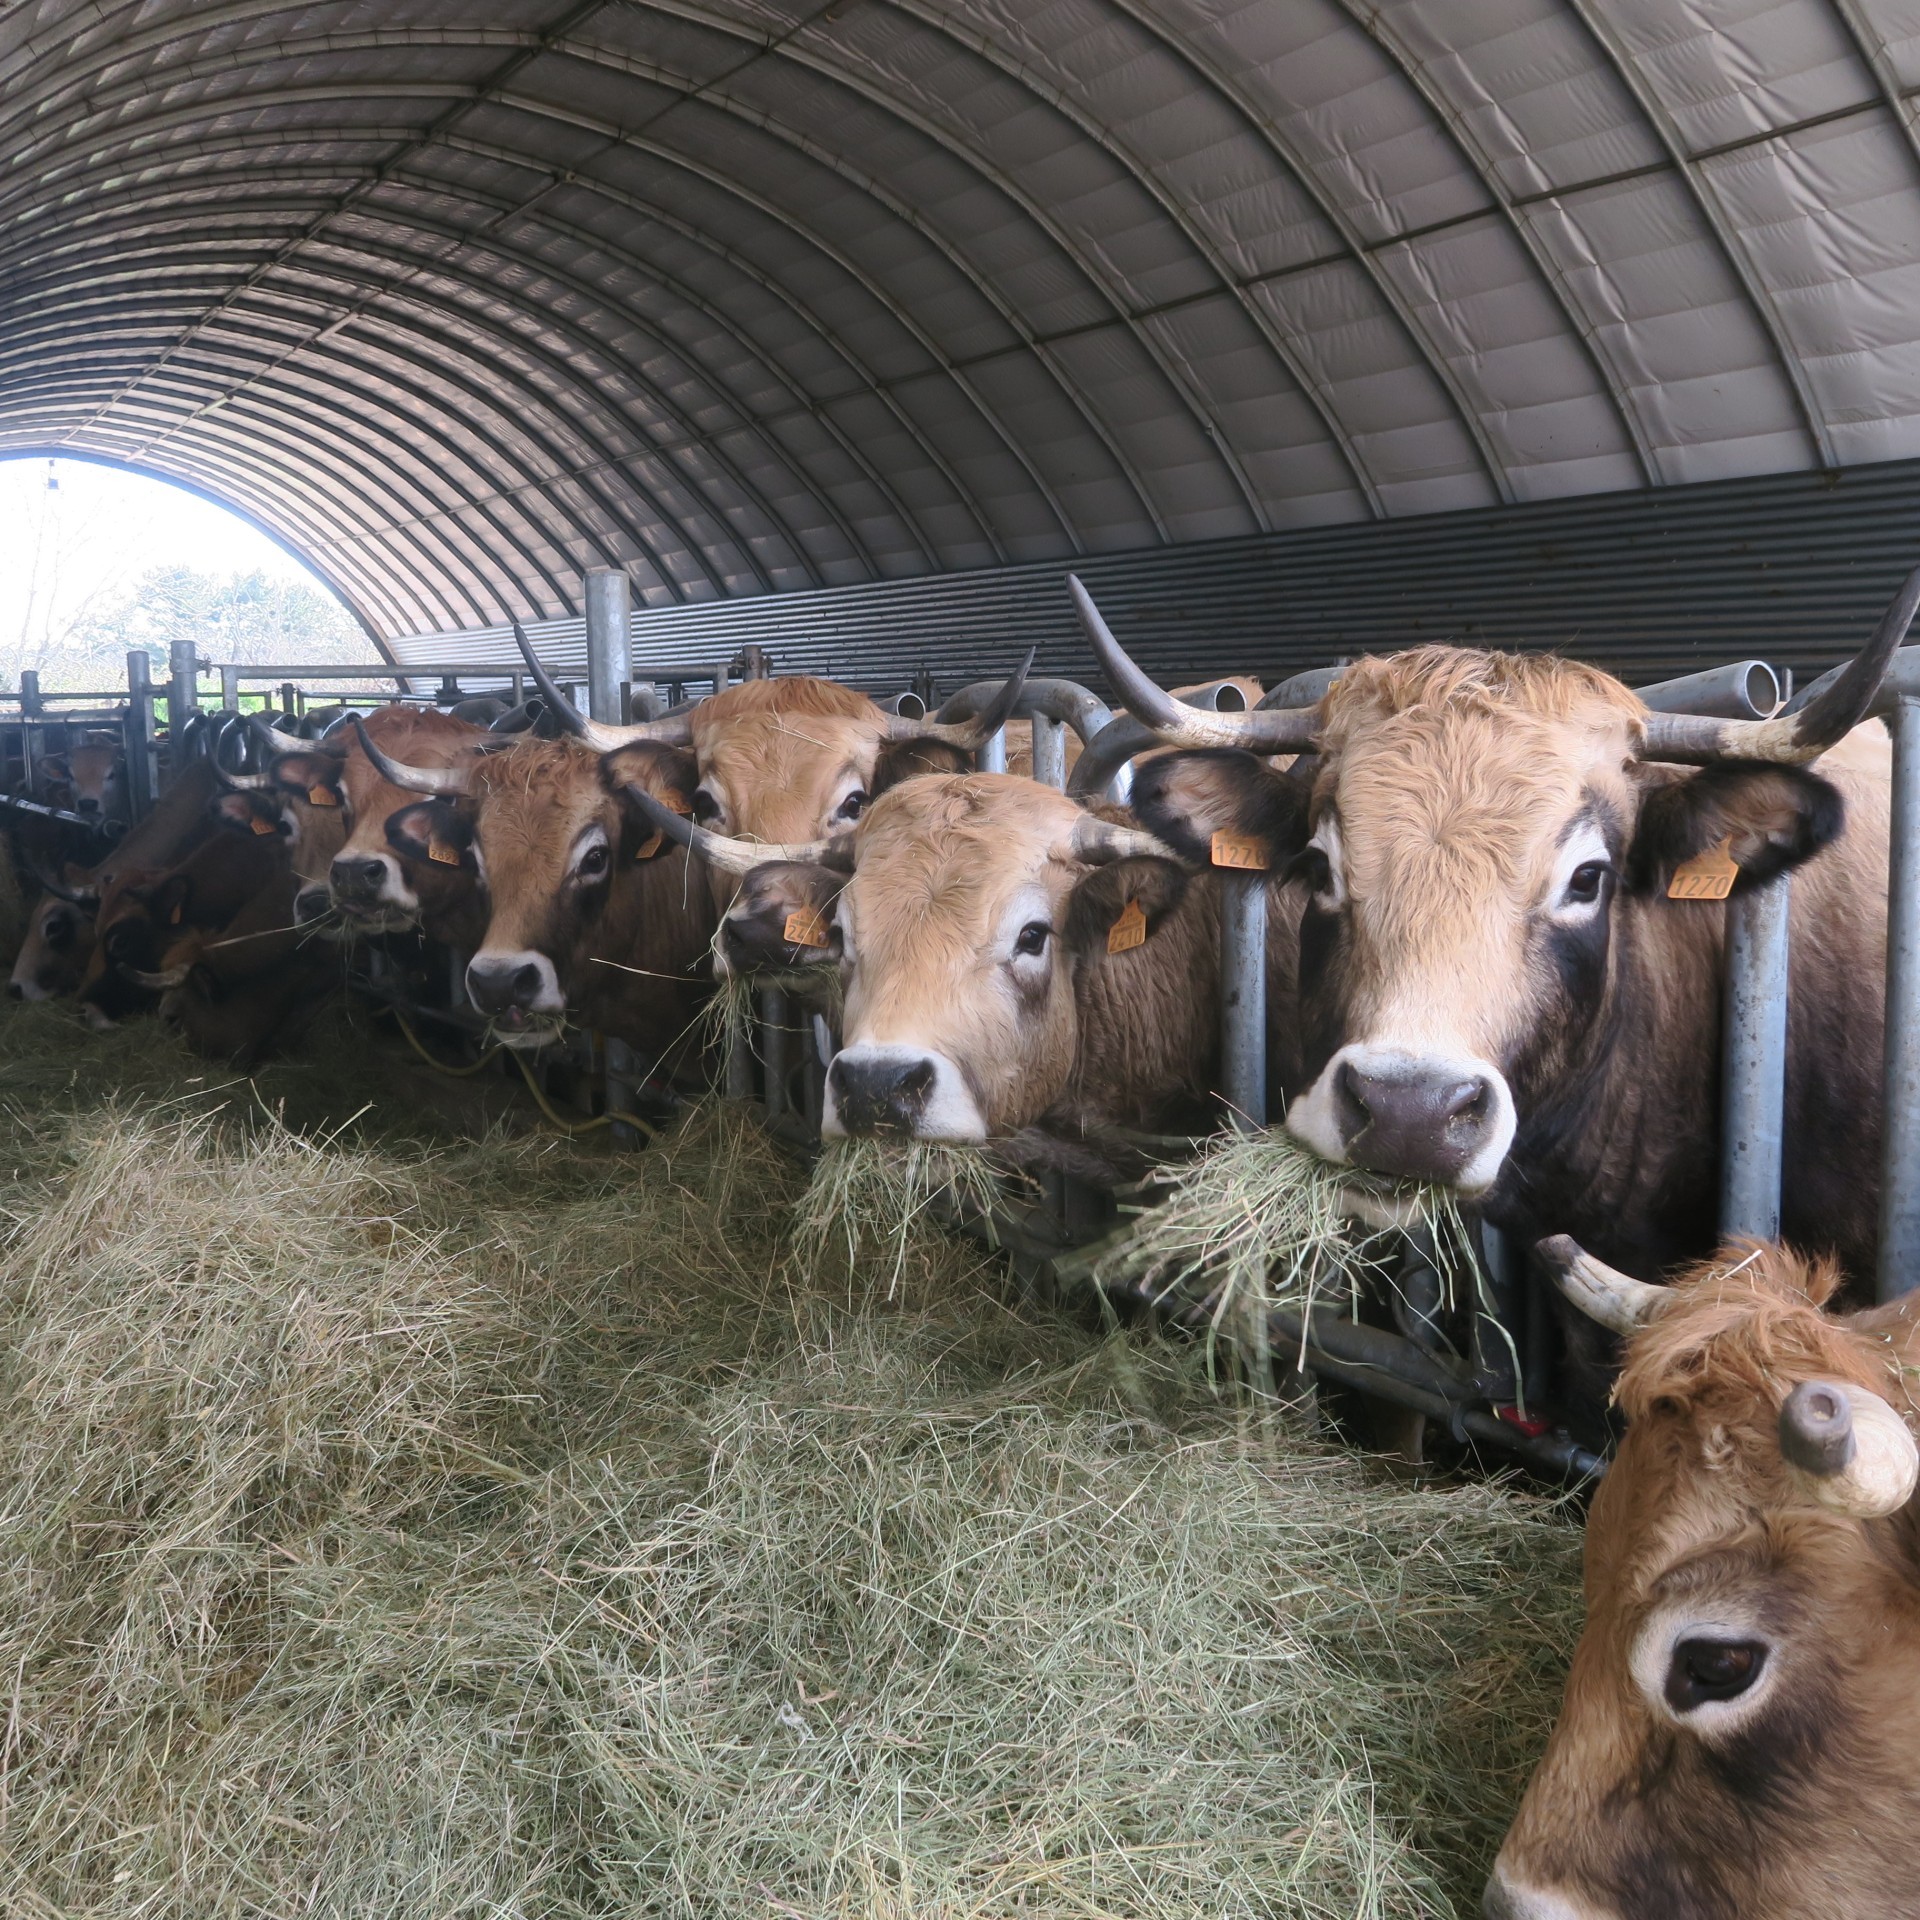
(1736, 1738)
(1010, 961)
(1496, 992)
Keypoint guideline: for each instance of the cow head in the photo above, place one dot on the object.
(960, 931)
(1736, 1740)
(556, 852)
(92, 779)
(1469, 828)
(53, 957)
(786, 761)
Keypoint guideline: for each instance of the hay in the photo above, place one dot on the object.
(396, 1530)
(879, 1201)
(1257, 1221)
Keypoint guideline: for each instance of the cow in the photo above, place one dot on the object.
(1010, 960)
(591, 915)
(1496, 993)
(1736, 1741)
(60, 932)
(90, 779)
(783, 761)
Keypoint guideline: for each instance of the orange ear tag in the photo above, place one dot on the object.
(650, 846)
(1240, 851)
(1129, 931)
(1707, 876)
(322, 797)
(175, 917)
(805, 927)
(676, 802)
(446, 856)
(261, 826)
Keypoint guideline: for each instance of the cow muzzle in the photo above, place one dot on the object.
(899, 1091)
(1507, 1899)
(1416, 1116)
(368, 888)
(520, 992)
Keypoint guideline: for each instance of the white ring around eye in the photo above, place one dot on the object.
(1653, 1651)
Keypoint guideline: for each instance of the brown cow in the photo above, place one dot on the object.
(89, 778)
(592, 916)
(1496, 992)
(1737, 1737)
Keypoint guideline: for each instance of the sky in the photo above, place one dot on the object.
(94, 535)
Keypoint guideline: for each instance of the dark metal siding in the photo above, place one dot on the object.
(1791, 568)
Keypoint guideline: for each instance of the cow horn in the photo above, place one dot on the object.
(676, 731)
(1854, 1454)
(1793, 738)
(973, 733)
(719, 849)
(1264, 730)
(438, 780)
(156, 982)
(60, 890)
(1621, 1304)
(240, 782)
(270, 736)
(1098, 842)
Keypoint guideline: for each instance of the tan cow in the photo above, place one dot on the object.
(1737, 1740)
(1498, 991)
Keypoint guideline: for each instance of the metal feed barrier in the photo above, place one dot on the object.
(1509, 1329)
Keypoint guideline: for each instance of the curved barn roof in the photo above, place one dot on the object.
(747, 297)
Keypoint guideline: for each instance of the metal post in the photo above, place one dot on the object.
(992, 757)
(739, 1067)
(773, 1049)
(1049, 751)
(230, 689)
(1243, 998)
(29, 733)
(1900, 1123)
(143, 770)
(183, 684)
(289, 697)
(1753, 1071)
(608, 670)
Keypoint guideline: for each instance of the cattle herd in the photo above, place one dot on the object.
(1484, 973)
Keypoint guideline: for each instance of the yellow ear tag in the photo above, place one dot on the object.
(446, 856)
(1130, 930)
(1239, 850)
(650, 846)
(677, 802)
(321, 797)
(174, 918)
(261, 826)
(1707, 876)
(806, 927)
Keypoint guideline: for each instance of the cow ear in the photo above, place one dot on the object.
(1186, 798)
(436, 831)
(907, 759)
(314, 776)
(668, 774)
(1121, 905)
(169, 900)
(250, 813)
(1771, 818)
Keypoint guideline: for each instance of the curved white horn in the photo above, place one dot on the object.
(1099, 842)
(1848, 1448)
(719, 849)
(677, 732)
(436, 780)
(156, 982)
(1264, 730)
(1792, 738)
(975, 731)
(1617, 1302)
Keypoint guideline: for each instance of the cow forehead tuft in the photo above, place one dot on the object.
(1465, 679)
(761, 699)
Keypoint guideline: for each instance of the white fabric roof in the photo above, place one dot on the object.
(460, 299)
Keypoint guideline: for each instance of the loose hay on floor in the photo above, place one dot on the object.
(509, 1529)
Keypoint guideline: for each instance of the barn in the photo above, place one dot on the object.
(449, 1474)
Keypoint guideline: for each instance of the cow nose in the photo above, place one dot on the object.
(1416, 1121)
(86, 804)
(354, 878)
(880, 1096)
(311, 903)
(498, 986)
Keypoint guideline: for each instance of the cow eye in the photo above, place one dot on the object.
(1704, 1670)
(593, 863)
(1033, 937)
(852, 807)
(705, 806)
(1585, 882)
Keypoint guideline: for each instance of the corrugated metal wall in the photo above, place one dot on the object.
(1791, 568)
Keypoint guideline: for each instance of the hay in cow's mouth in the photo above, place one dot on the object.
(395, 1526)
(1257, 1221)
(871, 1201)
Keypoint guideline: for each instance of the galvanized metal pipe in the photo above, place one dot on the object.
(773, 1050)
(1049, 751)
(992, 757)
(608, 670)
(183, 686)
(1900, 1122)
(29, 739)
(1754, 1060)
(1243, 998)
(143, 772)
(1745, 690)
(230, 689)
